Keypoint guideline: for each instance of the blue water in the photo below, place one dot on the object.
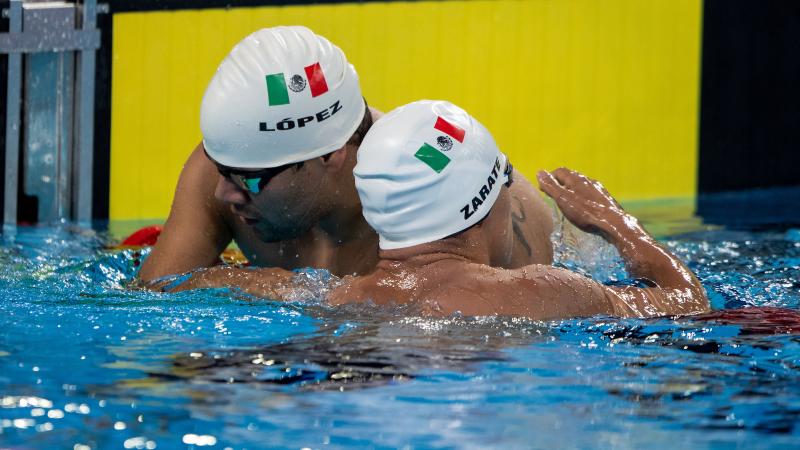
(86, 362)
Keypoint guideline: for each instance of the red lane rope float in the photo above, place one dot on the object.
(756, 320)
(143, 236)
(148, 236)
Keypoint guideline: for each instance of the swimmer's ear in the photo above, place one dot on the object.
(334, 161)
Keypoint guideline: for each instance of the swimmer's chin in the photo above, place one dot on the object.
(263, 231)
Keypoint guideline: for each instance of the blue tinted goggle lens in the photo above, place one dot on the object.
(252, 181)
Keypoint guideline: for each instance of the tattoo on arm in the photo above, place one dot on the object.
(517, 220)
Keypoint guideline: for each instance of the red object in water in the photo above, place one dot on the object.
(143, 236)
(757, 320)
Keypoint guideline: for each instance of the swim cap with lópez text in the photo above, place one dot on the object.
(282, 95)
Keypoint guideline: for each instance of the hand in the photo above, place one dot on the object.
(583, 201)
(587, 204)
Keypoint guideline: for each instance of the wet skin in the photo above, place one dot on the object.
(452, 275)
(308, 217)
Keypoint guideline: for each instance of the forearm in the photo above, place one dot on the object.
(272, 283)
(644, 257)
(193, 255)
(649, 302)
(676, 290)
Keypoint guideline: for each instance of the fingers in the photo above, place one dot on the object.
(582, 185)
(562, 178)
(549, 185)
(563, 197)
(563, 174)
(572, 179)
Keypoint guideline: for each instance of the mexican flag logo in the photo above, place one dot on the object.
(278, 87)
(435, 157)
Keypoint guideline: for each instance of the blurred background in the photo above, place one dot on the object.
(676, 101)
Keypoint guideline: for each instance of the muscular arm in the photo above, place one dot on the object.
(539, 292)
(586, 203)
(195, 232)
(271, 283)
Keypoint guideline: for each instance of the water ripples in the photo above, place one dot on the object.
(87, 361)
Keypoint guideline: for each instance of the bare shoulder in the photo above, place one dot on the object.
(351, 290)
(194, 194)
(464, 287)
(537, 291)
(198, 169)
(378, 288)
(196, 231)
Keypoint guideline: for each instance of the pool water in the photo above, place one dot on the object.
(86, 362)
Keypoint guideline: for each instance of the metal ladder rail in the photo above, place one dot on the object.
(13, 106)
(84, 40)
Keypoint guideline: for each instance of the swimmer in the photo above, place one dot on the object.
(435, 212)
(282, 120)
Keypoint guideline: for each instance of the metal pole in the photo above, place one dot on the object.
(85, 117)
(12, 121)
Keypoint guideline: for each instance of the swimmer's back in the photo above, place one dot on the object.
(447, 287)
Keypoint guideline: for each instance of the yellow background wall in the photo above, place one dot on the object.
(606, 87)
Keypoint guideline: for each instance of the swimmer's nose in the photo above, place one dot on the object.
(228, 192)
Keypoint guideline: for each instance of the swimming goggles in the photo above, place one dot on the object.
(508, 172)
(252, 181)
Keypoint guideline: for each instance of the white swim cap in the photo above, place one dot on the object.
(282, 95)
(425, 171)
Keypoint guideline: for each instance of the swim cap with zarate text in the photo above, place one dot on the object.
(425, 171)
(282, 95)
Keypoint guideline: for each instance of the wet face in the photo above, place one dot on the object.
(285, 207)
